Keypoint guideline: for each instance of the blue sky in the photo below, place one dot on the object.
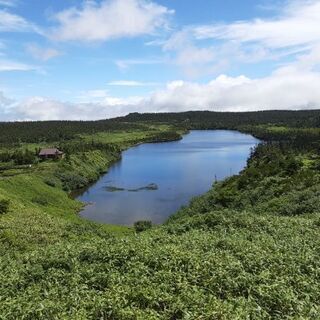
(97, 59)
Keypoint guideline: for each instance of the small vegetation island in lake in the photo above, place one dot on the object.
(247, 249)
(150, 187)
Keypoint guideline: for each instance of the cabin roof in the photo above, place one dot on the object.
(50, 151)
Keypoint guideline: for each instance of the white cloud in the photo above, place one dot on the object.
(8, 65)
(131, 83)
(123, 103)
(6, 105)
(10, 22)
(97, 96)
(110, 19)
(212, 49)
(309, 60)
(8, 3)
(2, 46)
(126, 63)
(41, 108)
(195, 60)
(299, 24)
(287, 88)
(41, 53)
(187, 53)
(103, 97)
(4, 101)
(93, 94)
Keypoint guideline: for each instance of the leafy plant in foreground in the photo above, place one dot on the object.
(4, 206)
(142, 225)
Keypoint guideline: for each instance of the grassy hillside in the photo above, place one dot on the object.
(40, 210)
(248, 249)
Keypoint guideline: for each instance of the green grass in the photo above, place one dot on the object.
(128, 138)
(39, 214)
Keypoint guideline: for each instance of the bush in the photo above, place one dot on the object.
(142, 225)
(71, 181)
(50, 182)
(40, 200)
(4, 206)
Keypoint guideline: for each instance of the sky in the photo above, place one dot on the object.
(96, 59)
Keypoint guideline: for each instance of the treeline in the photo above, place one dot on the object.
(230, 120)
(49, 131)
(165, 136)
(301, 139)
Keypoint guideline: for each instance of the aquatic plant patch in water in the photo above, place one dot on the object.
(150, 187)
(113, 189)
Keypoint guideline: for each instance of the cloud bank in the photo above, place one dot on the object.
(286, 88)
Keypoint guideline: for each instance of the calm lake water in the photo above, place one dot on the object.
(154, 180)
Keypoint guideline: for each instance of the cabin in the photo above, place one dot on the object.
(51, 153)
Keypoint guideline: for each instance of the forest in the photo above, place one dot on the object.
(229, 120)
(50, 131)
(247, 249)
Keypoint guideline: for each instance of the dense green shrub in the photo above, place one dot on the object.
(82, 146)
(142, 225)
(50, 182)
(166, 136)
(19, 157)
(71, 181)
(4, 206)
(226, 266)
(40, 200)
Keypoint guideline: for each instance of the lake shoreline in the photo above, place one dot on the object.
(83, 194)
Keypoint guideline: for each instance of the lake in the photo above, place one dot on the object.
(153, 180)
